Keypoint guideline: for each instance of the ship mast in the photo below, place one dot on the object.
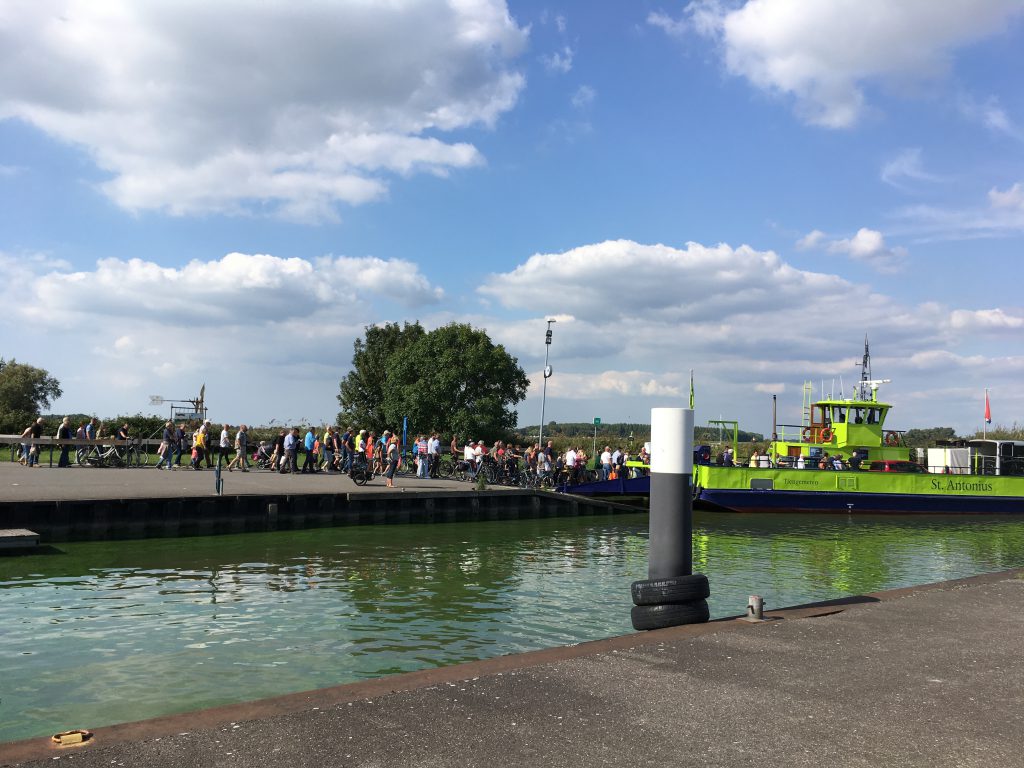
(865, 365)
(868, 387)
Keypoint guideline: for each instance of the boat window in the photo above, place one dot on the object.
(1005, 450)
(819, 415)
(874, 415)
(858, 415)
(1018, 450)
(839, 414)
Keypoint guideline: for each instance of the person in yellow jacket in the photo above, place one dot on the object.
(198, 447)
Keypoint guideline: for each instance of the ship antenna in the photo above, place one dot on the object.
(865, 372)
(865, 366)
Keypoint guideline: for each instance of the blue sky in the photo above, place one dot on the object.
(228, 193)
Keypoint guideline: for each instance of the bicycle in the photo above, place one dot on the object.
(111, 456)
(361, 471)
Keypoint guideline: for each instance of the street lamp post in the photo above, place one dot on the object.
(544, 391)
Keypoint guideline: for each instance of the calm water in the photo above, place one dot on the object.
(109, 632)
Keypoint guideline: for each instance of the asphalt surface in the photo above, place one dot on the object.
(930, 676)
(19, 483)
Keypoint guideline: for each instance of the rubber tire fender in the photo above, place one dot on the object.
(680, 589)
(669, 615)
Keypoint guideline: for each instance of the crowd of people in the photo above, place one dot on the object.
(764, 460)
(332, 450)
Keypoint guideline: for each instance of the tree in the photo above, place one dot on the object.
(24, 391)
(923, 438)
(364, 391)
(453, 379)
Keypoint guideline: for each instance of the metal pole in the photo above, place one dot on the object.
(671, 516)
(544, 390)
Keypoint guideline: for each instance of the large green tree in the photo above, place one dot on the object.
(453, 379)
(24, 391)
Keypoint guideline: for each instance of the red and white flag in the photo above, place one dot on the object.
(988, 410)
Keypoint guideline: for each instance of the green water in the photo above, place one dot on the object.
(117, 631)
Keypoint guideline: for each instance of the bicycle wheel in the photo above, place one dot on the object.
(82, 456)
(140, 457)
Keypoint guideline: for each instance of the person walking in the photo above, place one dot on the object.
(422, 458)
(242, 450)
(348, 447)
(181, 436)
(434, 453)
(330, 448)
(198, 447)
(170, 444)
(309, 443)
(291, 449)
(392, 456)
(64, 433)
(33, 431)
(224, 446)
(207, 430)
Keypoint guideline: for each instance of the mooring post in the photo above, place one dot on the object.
(671, 517)
(673, 594)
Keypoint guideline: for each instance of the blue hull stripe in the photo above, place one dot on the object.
(860, 503)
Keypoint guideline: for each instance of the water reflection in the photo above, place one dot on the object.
(95, 635)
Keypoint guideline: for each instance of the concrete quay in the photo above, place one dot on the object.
(93, 504)
(927, 676)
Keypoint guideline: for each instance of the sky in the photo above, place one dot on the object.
(228, 193)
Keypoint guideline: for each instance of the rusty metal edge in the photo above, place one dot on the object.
(41, 748)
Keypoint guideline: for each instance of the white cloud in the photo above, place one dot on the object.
(584, 97)
(559, 62)
(867, 245)
(824, 54)
(1004, 215)
(233, 290)
(811, 240)
(671, 27)
(612, 383)
(907, 166)
(271, 336)
(986, 320)
(990, 114)
(197, 107)
(1013, 198)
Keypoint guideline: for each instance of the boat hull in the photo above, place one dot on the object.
(832, 502)
(741, 489)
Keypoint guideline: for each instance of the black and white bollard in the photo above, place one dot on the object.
(672, 594)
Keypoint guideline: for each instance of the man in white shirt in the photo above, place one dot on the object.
(606, 462)
(434, 451)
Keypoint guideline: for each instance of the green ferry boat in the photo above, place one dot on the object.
(845, 458)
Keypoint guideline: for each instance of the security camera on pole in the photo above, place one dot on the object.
(672, 594)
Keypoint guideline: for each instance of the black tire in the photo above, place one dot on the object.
(359, 477)
(669, 615)
(681, 589)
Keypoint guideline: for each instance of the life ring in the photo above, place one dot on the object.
(825, 436)
(806, 435)
(891, 438)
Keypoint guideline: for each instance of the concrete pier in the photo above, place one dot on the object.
(82, 504)
(928, 676)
